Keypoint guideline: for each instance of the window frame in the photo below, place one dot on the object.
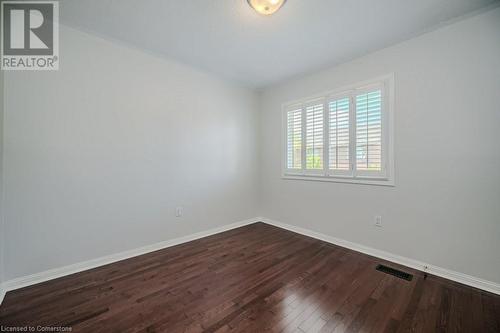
(386, 175)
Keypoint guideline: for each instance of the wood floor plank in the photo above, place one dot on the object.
(257, 278)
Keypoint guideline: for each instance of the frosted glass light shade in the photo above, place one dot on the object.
(266, 7)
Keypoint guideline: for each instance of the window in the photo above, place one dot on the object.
(343, 136)
(314, 136)
(338, 141)
(294, 139)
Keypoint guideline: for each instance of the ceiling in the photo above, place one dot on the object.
(228, 39)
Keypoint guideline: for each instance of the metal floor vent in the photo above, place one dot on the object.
(397, 273)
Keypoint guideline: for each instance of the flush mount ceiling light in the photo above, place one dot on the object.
(266, 7)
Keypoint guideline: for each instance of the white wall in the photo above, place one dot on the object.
(99, 154)
(445, 208)
(2, 231)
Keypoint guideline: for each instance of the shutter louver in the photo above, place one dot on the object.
(314, 137)
(294, 139)
(369, 131)
(339, 134)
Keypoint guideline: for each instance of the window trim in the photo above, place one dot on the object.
(386, 82)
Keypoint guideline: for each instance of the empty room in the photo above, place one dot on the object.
(250, 166)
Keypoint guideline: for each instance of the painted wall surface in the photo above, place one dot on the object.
(99, 154)
(445, 207)
(2, 231)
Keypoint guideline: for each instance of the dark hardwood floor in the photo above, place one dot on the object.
(257, 278)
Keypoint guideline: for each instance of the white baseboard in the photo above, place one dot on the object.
(421, 266)
(2, 293)
(28, 280)
(82, 266)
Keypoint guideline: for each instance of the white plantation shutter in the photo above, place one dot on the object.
(314, 136)
(294, 139)
(338, 121)
(369, 131)
(344, 136)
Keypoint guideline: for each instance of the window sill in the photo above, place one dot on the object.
(340, 179)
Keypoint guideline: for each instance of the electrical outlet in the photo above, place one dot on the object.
(378, 221)
(178, 211)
